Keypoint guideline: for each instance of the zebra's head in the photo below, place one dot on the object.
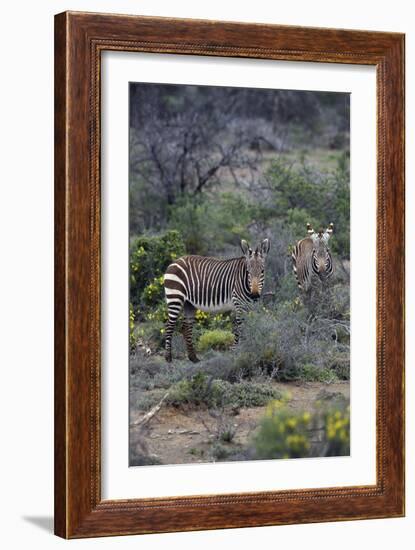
(321, 238)
(255, 265)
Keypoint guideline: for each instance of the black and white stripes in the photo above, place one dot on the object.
(212, 285)
(312, 256)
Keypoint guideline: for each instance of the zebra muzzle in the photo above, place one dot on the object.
(255, 288)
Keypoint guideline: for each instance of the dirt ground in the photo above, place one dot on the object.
(174, 436)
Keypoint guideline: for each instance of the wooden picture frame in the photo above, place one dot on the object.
(79, 40)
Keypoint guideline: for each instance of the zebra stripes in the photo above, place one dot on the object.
(312, 256)
(212, 285)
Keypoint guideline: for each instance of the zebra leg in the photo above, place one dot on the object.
(236, 331)
(174, 309)
(237, 322)
(189, 315)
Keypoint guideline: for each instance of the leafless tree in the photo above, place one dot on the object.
(187, 149)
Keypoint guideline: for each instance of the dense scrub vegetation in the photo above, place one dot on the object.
(208, 167)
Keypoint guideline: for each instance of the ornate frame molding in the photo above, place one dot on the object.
(79, 40)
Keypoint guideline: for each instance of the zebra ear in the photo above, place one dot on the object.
(245, 247)
(310, 230)
(265, 245)
(330, 229)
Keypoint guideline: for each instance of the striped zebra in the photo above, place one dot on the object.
(312, 256)
(212, 285)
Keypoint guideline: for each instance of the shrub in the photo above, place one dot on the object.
(151, 334)
(223, 366)
(284, 340)
(144, 401)
(158, 313)
(259, 343)
(215, 339)
(286, 434)
(133, 335)
(212, 322)
(197, 452)
(209, 226)
(282, 434)
(220, 452)
(200, 390)
(300, 193)
(249, 394)
(153, 292)
(227, 434)
(311, 373)
(337, 432)
(149, 258)
(341, 366)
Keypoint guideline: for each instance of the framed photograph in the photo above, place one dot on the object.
(229, 275)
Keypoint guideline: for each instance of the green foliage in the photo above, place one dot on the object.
(289, 343)
(282, 433)
(201, 390)
(198, 390)
(158, 313)
(248, 394)
(149, 258)
(151, 333)
(209, 321)
(301, 194)
(209, 225)
(215, 339)
(259, 344)
(311, 373)
(145, 207)
(153, 292)
(337, 432)
(287, 434)
(227, 434)
(133, 335)
(194, 451)
(297, 218)
(341, 366)
(220, 452)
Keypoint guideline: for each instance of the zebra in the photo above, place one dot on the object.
(312, 256)
(212, 285)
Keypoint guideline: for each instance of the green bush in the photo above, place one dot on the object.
(259, 344)
(133, 335)
(311, 373)
(151, 333)
(153, 293)
(227, 434)
(282, 433)
(337, 432)
(301, 194)
(286, 434)
(221, 321)
(201, 390)
(220, 452)
(149, 258)
(208, 225)
(198, 390)
(341, 366)
(288, 342)
(248, 394)
(158, 313)
(215, 339)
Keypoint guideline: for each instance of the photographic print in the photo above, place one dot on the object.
(239, 239)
